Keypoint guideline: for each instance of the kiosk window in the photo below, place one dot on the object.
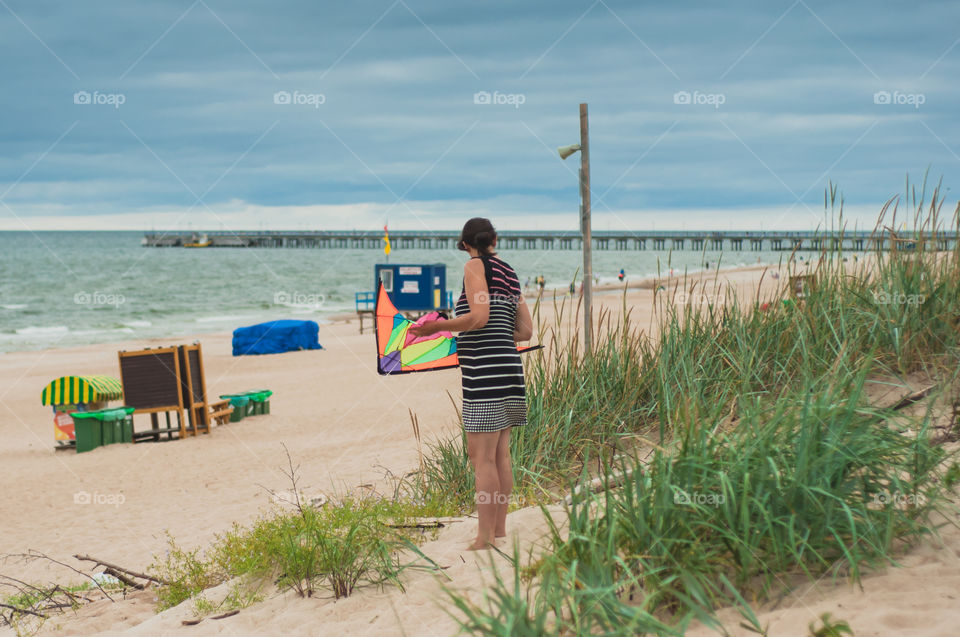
(386, 277)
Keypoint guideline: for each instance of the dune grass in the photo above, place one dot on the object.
(765, 459)
(337, 548)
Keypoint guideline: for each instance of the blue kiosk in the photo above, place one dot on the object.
(412, 287)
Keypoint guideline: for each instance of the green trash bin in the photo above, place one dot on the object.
(108, 420)
(126, 423)
(240, 404)
(123, 423)
(87, 430)
(261, 400)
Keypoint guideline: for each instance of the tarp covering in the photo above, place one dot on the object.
(275, 337)
(70, 390)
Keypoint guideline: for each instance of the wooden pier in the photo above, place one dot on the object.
(661, 240)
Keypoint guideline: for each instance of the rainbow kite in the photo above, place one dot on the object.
(399, 352)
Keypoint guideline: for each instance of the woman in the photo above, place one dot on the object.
(491, 318)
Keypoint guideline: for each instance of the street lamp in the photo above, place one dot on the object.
(566, 151)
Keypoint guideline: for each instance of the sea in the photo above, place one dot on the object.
(61, 289)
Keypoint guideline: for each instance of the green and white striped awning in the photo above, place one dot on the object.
(70, 390)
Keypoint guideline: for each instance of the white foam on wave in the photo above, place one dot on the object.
(35, 330)
(14, 306)
(138, 324)
(89, 332)
(218, 319)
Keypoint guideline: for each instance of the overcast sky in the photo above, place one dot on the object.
(211, 114)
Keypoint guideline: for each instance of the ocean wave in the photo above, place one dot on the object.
(217, 319)
(138, 324)
(36, 330)
(14, 306)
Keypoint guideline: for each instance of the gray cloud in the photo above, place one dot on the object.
(198, 79)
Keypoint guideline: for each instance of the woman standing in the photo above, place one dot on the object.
(491, 318)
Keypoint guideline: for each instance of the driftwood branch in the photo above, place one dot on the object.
(913, 397)
(36, 555)
(120, 569)
(123, 578)
(424, 523)
(614, 479)
(25, 611)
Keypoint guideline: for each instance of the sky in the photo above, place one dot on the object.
(217, 114)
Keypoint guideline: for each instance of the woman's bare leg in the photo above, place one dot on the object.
(505, 473)
(482, 449)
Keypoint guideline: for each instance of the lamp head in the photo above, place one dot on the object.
(566, 151)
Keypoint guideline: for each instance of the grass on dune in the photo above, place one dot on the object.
(336, 548)
(766, 460)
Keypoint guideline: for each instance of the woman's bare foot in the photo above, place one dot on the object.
(481, 545)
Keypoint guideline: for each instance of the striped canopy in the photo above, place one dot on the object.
(70, 390)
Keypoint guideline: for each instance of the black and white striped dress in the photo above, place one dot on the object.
(494, 394)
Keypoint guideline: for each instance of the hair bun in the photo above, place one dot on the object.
(480, 234)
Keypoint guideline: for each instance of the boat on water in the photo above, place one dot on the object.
(201, 241)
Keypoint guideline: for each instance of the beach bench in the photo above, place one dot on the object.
(801, 285)
(220, 412)
(364, 302)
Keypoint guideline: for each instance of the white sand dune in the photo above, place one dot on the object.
(344, 426)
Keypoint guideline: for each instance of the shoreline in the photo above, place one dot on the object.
(340, 317)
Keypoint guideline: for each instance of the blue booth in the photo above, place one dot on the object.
(414, 287)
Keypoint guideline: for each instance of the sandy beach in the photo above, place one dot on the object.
(348, 429)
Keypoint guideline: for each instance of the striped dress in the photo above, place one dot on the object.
(494, 394)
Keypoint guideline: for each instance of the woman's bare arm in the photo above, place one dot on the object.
(524, 328)
(478, 296)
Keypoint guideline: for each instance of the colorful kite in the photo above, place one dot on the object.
(400, 352)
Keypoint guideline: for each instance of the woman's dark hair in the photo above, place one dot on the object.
(478, 233)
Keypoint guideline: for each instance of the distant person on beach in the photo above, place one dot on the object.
(492, 316)
(541, 282)
(526, 284)
(622, 275)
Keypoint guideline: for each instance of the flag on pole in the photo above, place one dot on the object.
(386, 241)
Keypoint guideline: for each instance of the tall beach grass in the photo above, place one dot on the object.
(754, 452)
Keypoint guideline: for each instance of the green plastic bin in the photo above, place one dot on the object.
(240, 404)
(112, 425)
(108, 420)
(261, 400)
(125, 421)
(87, 431)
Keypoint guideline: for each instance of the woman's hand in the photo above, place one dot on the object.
(427, 329)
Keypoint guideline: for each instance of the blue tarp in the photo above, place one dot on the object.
(275, 337)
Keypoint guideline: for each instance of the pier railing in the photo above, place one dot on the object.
(697, 240)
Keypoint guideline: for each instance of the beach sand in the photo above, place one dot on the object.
(345, 427)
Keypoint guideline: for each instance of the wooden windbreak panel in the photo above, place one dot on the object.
(151, 383)
(193, 386)
(151, 379)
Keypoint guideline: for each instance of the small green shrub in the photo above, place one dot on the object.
(339, 546)
(187, 573)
